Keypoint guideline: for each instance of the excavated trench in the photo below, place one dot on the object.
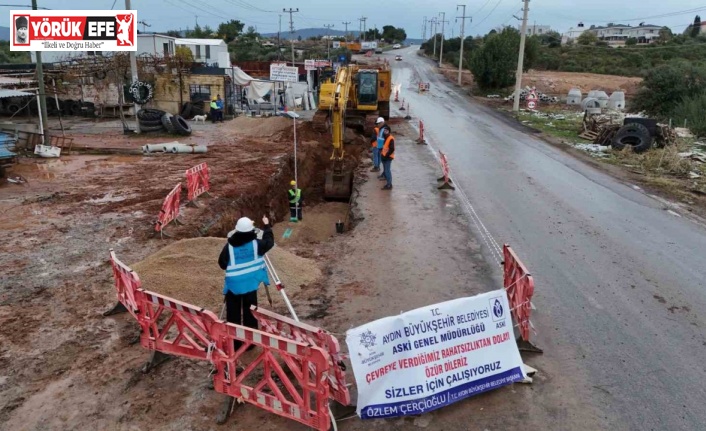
(314, 152)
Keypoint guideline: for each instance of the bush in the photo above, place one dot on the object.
(666, 86)
(692, 110)
(494, 64)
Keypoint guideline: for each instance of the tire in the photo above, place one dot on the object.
(66, 106)
(150, 114)
(167, 123)
(635, 135)
(649, 123)
(75, 108)
(180, 125)
(150, 123)
(13, 108)
(186, 110)
(149, 129)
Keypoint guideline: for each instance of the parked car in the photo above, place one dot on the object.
(378, 50)
(398, 57)
(396, 46)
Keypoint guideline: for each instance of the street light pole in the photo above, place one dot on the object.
(43, 116)
(133, 73)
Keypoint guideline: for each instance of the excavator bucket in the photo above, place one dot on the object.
(339, 184)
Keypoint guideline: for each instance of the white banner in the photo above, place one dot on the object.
(368, 45)
(280, 72)
(336, 44)
(73, 30)
(433, 356)
(315, 64)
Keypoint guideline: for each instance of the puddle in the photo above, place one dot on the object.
(110, 197)
(64, 166)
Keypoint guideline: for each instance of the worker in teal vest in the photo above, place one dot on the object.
(294, 195)
(242, 259)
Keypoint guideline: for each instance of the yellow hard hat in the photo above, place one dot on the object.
(214, 99)
(292, 183)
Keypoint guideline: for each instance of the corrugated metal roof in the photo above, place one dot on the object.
(15, 81)
(14, 93)
(182, 41)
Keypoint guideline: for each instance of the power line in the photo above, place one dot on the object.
(486, 17)
(665, 15)
(248, 6)
(481, 8)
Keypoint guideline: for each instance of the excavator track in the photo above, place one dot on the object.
(320, 123)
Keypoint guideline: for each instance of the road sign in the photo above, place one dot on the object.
(531, 104)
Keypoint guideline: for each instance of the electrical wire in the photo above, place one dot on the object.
(481, 8)
(248, 6)
(668, 14)
(487, 16)
(114, 1)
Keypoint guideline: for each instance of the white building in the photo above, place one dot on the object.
(536, 30)
(213, 52)
(617, 35)
(573, 33)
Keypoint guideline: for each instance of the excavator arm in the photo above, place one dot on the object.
(338, 112)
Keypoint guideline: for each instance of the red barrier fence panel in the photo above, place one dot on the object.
(448, 184)
(519, 286)
(170, 209)
(283, 326)
(197, 181)
(174, 327)
(127, 283)
(305, 402)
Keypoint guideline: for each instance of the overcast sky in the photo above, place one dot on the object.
(164, 15)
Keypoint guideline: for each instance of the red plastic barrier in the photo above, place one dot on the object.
(397, 95)
(283, 326)
(197, 181)
(170, 209)
(448, 184)
(174, 327)
(127, 283)
(519, 286)
(306, 402)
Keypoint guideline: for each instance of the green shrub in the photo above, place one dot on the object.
(692, 109)
(666, 86)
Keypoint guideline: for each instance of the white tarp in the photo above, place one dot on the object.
(433, 356)
(257, 89)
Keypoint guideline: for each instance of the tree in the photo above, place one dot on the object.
(631, 41)
(373, 34)
(493, 65)
(665, 35)
(667, 85)
(199, 32)
(696, 28)
(181, 62)
(230, 30)
(174, 33)
(551, 39)
(587, 38)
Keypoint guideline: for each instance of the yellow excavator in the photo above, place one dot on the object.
(355, 96)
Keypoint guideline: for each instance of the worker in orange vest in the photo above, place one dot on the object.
(387, 155)
(377, 142)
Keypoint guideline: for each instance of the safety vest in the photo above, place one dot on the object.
(375, 142)
(294, 197)
(246, 270)
(381, 138)
(214, 105)
(386, 147)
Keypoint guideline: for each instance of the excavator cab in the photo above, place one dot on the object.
(367, 83)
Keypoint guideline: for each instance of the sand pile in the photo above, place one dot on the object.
(188, 270)
(259, 126)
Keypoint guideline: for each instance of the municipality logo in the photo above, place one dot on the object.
(367, 339)
(498, 309)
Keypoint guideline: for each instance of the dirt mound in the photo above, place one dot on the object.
(259, 126)
(188, 270)
(559, 83)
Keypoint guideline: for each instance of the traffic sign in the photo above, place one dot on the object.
(531, 104)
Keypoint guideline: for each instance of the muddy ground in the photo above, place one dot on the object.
(63, 365)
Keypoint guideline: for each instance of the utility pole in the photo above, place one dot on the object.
(135, 78)
(144, 24)
(345, 36)
(424, 30)
(279, 41)
(291, 27)
(463, 27)
(43, 116)
(520, 59)
(362, 20)
(328, 40)
(433, 29)
(441, 48)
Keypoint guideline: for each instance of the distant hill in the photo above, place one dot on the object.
(306, 33)
(4, 33)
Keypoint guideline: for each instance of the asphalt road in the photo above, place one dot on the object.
(620, 290)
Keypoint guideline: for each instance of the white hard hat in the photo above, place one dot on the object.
(379, 120)
(244, 225)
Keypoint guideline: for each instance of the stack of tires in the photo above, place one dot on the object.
(156, 120)
(637, 133)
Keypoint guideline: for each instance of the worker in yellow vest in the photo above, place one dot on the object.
(294, 195)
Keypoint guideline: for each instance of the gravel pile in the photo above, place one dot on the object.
(188, 270)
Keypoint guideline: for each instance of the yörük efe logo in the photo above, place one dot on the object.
(498, 309)
(367, 339)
